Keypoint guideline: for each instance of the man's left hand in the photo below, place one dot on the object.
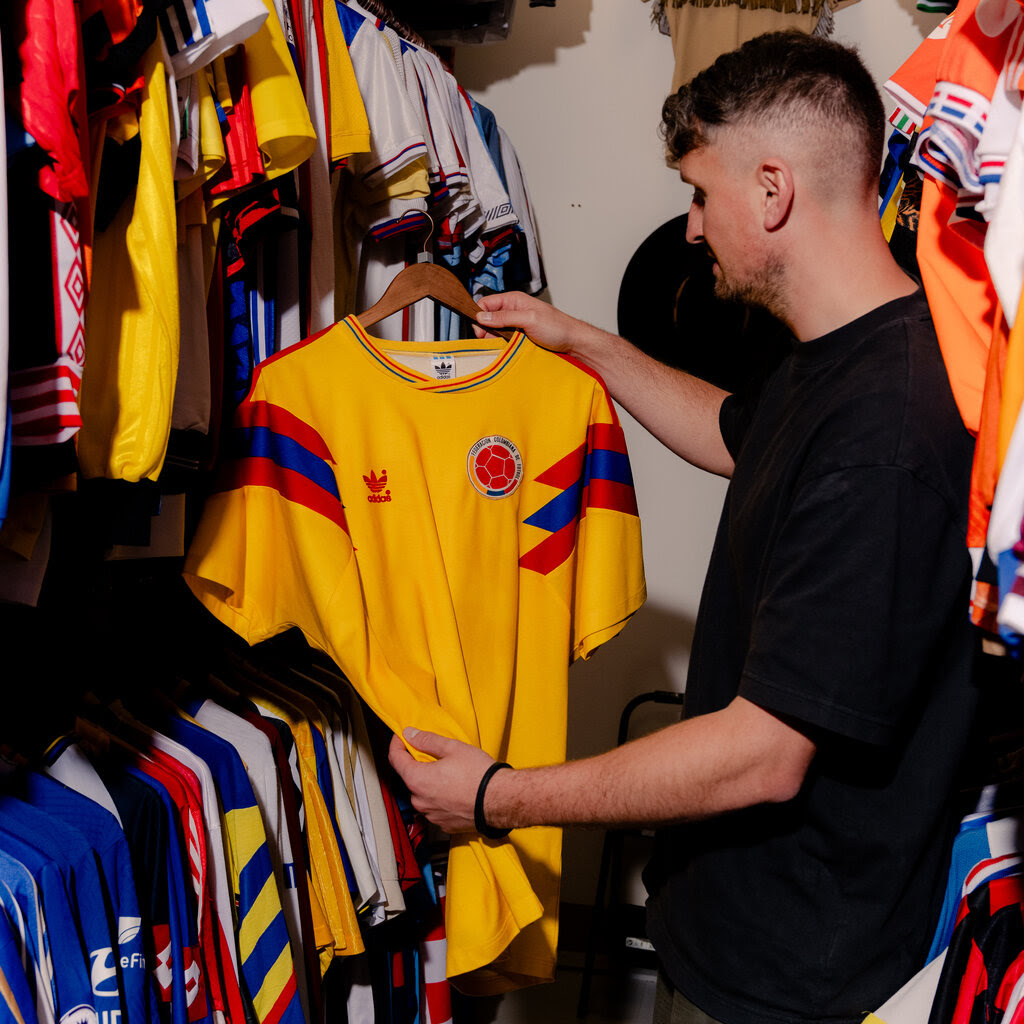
(445, 789)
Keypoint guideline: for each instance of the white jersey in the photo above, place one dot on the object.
(72, 768)
(196, 32)
(396, 139)
(520, 196)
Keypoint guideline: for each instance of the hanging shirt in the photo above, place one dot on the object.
(328, 708)
(199, 968)
(452, 551)
(146, 828)
(74, 1000)
(21, 901)
(264, 952)
(254, 750)
(339, 933)
(176, 968)
(291, 804)
(16, 1005)
(132, 329)
(78, 863)
(104, 834)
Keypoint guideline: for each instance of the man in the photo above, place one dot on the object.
(804, 802)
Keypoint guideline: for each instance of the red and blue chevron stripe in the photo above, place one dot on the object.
(595, 475)
(271, 447)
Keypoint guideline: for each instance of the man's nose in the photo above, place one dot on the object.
(695, 224)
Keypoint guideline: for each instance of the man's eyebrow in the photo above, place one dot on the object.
(687, 180)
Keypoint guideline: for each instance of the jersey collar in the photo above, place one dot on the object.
(505, 354)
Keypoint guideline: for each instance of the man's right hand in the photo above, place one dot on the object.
(545, 325)
(680, 410)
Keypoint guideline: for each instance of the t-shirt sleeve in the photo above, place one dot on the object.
(734, 418)
(730, 423)
(736, 413)
(609, 581)
(868, 571)
(273, 540)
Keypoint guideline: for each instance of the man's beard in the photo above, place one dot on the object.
(764, 288)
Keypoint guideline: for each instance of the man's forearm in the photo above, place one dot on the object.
(737, 757)
(677, 408)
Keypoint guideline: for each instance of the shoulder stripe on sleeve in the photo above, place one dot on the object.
(270, 447)
(264, 443)
(289, 484)
(609, 482)
(595, 475)
(281, 421)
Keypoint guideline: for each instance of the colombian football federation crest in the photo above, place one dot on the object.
(495, 466)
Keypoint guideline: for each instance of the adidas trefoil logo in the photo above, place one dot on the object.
(376, 485)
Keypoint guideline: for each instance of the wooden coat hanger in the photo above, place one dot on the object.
(426, 281)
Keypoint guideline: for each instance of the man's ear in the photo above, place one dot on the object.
(775, 178)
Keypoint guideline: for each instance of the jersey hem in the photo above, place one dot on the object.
(464, 962)
(590, 643)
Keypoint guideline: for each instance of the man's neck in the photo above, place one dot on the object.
(836, 285)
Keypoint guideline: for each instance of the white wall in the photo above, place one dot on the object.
(579, 89)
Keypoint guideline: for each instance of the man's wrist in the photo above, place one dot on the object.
(486, 827)
(603, 352)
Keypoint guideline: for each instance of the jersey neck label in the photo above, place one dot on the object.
(442, 367)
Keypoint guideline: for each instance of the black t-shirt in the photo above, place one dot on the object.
(836, 596)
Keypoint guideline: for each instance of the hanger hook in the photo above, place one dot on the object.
(425, 255)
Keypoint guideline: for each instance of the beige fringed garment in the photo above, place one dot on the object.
(702, 30)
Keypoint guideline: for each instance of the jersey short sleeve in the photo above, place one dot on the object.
(349, 127)
(104, 834)
(278, 488)
(286, 136)
(592, 516)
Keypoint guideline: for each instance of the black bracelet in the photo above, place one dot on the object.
(488, 831)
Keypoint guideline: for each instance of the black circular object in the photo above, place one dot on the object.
(668, 309)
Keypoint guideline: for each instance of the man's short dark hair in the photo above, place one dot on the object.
(782, 78)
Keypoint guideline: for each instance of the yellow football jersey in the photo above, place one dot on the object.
(279, 110)
(132, 330)
(452, 524)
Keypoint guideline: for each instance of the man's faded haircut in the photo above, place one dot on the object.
(779, 80)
